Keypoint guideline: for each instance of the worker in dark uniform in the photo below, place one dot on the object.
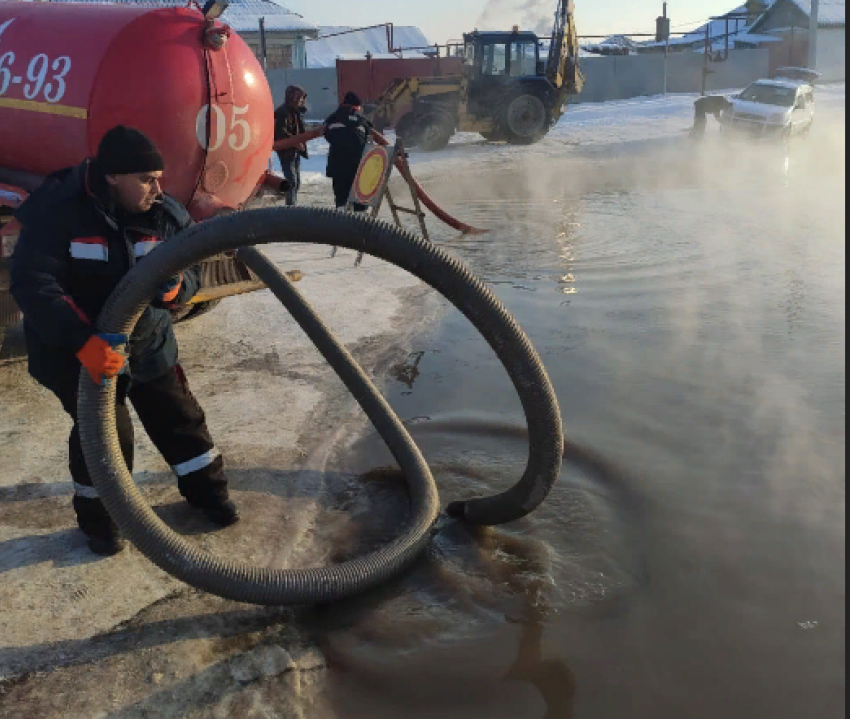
(82, 231)
(289, 122)
(711, 105)
(347, 132)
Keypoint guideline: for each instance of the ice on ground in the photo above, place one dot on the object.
(262, 384)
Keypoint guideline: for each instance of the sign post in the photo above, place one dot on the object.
(371, 186)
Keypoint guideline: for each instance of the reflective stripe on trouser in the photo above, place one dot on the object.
(175, 423)
(196, 464)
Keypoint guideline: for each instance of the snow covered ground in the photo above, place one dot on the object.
(584, 125)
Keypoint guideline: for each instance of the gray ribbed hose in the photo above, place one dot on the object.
(448, 276)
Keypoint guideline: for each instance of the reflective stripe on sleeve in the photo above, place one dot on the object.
(145, 247)
(196, 464)
(89, 251)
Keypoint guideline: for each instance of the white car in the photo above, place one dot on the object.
(776, 109)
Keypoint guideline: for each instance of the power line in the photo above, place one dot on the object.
(694, 22)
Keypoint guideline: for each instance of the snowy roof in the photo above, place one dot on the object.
(241, 15)
(718, 27)
(583, 51)
(618, 41)
(325, 51)
(737, 27)
(244, 16)
(831, 12)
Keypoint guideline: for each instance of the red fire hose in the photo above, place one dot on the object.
(439, 213)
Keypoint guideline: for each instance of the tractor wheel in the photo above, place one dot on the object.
(434, 132)
(405, 130)
(524, 120)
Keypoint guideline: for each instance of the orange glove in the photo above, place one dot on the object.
(168, 292)
(100, 360)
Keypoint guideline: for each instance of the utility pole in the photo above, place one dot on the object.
(264, 53)
(705, 70)
(662, 32)
(814, 22)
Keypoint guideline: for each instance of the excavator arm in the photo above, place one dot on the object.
(563, 67)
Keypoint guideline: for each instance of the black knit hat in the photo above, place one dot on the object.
(352, 99)
(126, 151)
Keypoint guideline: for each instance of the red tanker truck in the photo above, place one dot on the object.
(70, 72)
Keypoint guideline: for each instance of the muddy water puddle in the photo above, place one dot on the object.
(689, 307)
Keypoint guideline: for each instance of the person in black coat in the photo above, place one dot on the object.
(712, 104)
(289, 122)
(347, 132)
(82, 231)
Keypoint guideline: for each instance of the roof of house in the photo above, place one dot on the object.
(325, 51)
(244, 16)
(831, 13)
(241, 15)
(717, 30)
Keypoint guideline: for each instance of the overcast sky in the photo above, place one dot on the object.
(442, 20)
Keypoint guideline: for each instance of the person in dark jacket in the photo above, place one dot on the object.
(347, 132)
(289, 122)
(712, 104)
(82, 231)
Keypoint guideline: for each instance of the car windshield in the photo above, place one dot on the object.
(770, 95)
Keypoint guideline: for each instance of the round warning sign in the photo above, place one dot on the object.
(370, 176)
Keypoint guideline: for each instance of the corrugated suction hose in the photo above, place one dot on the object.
(448, 276)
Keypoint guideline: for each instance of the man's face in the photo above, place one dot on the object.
(136, 193)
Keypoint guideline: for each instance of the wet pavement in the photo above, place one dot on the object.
(688, 302)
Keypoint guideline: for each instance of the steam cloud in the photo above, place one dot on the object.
(534, 15)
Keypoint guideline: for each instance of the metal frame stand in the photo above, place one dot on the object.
(399, 156)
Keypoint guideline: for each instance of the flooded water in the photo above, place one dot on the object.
(689, 306)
